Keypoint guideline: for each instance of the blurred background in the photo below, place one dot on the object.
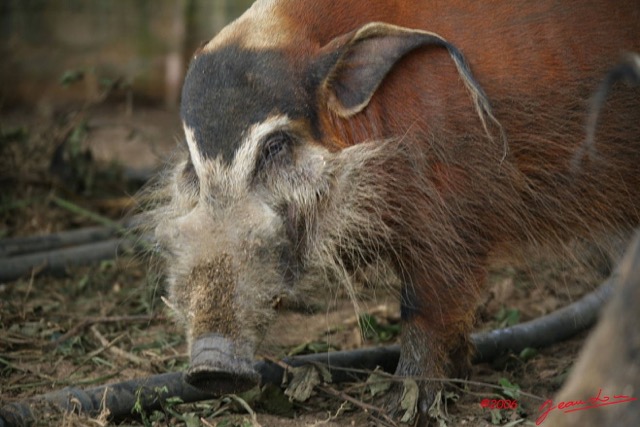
(89, 96)
(144, 45)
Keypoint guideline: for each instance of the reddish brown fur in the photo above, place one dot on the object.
(538, 62)
(452, 194)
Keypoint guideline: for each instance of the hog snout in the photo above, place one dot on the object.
(222, 349)
(218, 366)
(224, 279)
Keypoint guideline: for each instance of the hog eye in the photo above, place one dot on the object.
(275, 146)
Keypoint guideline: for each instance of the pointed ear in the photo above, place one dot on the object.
(368, 55)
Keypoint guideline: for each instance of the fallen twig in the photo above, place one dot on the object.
(106, 345)
(72, 207)
(118, 352)
(94, 320)
(380, 417)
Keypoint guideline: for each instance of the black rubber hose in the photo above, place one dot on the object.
(546, 330)
(58, 260)
(63, 239)
(149, 392)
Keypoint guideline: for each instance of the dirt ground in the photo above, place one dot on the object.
(107, 323)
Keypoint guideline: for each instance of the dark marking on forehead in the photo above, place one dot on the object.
(229, 89)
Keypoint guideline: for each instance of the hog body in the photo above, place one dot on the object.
(323, 137)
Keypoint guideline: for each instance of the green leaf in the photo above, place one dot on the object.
(18, 134)
(310, 348)
(508, 389)
(274, 401)
(191, 420)
(174, 400)
(304, 379)
(83, 282)
(371, 329)
(496, 417)
(139, 409)
(251, 396)
(378, 382)
(409, 400)
(508, 317)
(528, 354)
(71, 76)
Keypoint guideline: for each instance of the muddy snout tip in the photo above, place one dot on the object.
(217, 368)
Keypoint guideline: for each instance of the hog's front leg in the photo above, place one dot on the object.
(435, 343)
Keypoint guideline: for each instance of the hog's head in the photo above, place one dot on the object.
(285, 182)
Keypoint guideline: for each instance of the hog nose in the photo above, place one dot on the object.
(218, 368)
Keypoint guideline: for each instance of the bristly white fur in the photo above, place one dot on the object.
(333, 192)
(341, 196)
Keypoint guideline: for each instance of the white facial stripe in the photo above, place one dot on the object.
(196, 159)
(247, 156)
(234, 179)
